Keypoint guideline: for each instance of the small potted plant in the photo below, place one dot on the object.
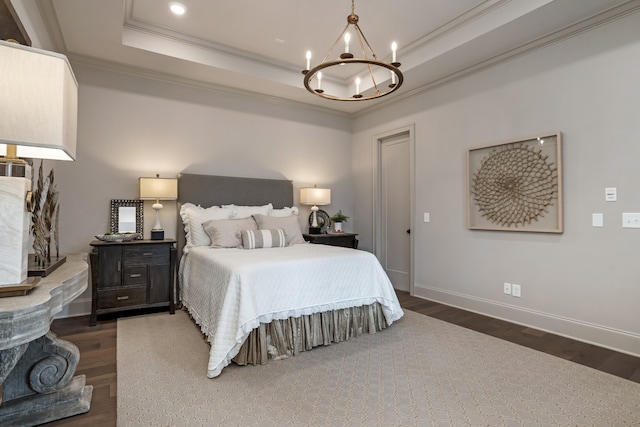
(337, 221)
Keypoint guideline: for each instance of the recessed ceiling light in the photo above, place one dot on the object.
(177, 8)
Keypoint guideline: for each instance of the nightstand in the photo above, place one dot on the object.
(347, 240)
(132, 275)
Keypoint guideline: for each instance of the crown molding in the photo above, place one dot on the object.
(587, 24)
(95, 63)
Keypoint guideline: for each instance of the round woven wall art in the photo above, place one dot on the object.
(514, 185)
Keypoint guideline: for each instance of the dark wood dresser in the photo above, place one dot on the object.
(347, 240)
(132, 275)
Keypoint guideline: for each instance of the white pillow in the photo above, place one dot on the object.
(247, 211)
(284, 212)
(225, 233)
(289, 224)
(194, 216)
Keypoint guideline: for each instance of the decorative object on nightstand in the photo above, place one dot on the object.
(316, 197)
(346, 240)
(38, 107)
(127, 222)
(158, 189)
(337, 221)
(132, 275)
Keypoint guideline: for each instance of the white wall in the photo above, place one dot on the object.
(584, 283)
(131, 127)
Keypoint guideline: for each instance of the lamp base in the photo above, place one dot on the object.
(43, 269)
(315, 230)
(157, 234)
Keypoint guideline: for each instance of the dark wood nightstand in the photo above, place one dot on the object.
(347, 240)
(132, 275)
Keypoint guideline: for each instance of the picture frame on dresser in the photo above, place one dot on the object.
(127, 216)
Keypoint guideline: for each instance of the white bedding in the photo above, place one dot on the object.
(229, 292)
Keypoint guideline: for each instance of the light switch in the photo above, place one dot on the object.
(597, 220)
(610, 194)
(426, 217)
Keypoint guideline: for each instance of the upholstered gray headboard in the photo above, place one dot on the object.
(211, 190)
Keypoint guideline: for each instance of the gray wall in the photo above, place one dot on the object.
(583, 283)
(131, 127)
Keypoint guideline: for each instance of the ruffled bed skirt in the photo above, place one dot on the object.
(288, 337)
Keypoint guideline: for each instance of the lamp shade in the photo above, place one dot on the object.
(39, 105)
(158, 188)
(315, 196)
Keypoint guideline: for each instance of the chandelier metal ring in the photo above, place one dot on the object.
(310, 74)
(368, 58)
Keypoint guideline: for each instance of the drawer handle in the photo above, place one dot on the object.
(126, 297)
(135, 275)
(147, 253)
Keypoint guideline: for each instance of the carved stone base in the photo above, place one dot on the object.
(37, 409)
(38, 385)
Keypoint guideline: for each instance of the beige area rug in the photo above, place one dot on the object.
(419, 372)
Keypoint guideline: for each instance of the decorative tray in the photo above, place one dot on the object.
(118, 237)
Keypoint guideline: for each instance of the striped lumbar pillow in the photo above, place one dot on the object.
(255, 239)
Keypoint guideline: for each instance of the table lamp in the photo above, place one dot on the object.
(38, 120)
(316, 197)
(158, 189)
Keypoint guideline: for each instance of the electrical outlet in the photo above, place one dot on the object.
(631, 220)
(507, 288)
(515, 290)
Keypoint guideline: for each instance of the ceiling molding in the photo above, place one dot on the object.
(50, 19)
(101, 64)
(488, 34)
(555, 37)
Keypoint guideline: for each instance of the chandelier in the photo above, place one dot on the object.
(373, 70)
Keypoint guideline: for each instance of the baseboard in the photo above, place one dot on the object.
(77, 307)
(602, 336)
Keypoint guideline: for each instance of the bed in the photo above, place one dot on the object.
(274, 295)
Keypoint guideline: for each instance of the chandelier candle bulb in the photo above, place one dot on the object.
(393, 78)
(394, 47)
(358, 86)
(347, 38)
(308, 60)
(320, 80)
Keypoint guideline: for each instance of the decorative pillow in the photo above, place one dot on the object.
(289, 224)
(194, 216)
(225, 233)
(247, 211)
(284, 212)
(256, 239)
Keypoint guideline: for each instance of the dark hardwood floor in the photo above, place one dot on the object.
(98, 352)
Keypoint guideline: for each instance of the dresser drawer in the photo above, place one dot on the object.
(136, 275)
(146, 254)
(124, 297)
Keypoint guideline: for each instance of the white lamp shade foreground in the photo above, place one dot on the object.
(39, 105)
(38, 120)
(158, 189)
(316, 197)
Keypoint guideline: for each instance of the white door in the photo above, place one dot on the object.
(395, 217)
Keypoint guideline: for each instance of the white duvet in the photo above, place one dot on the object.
(229, 292)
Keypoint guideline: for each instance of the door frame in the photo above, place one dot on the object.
(378, 139)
